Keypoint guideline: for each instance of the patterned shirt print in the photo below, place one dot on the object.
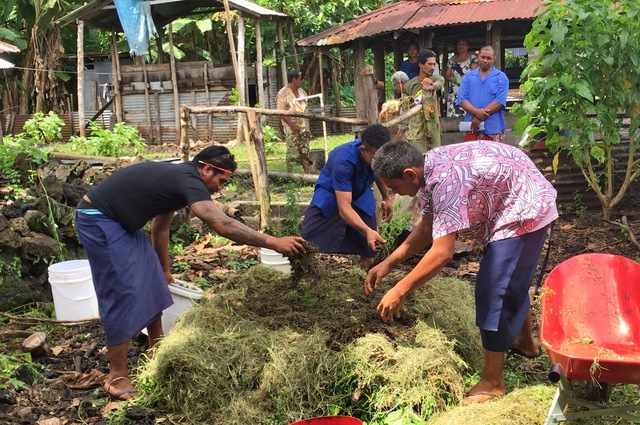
(486, 190)
(284, 100)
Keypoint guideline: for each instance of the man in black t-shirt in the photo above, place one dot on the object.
(130, 274)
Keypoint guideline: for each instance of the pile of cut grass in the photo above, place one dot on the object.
(262, 352)
(524, 406)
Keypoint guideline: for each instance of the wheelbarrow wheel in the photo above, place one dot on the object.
(600, 391)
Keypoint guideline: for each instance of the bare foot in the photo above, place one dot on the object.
(484, 391)
(530, 351)
(120, 387)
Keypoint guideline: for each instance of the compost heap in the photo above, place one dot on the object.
(271, 350)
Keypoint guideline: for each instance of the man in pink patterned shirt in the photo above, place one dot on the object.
(493, 193)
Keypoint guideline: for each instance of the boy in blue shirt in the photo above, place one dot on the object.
(341, 216)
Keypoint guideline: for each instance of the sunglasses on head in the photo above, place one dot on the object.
(215, 166)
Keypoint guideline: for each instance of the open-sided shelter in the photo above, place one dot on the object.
(433, 24)
(149, 95)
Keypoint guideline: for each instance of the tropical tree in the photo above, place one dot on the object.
(29, 24)
(584, 84)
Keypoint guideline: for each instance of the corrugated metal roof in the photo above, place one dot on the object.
(102, 13)
(8, 48)
(414, 14)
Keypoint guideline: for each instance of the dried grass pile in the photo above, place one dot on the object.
(449, 305)
(521, 407)
(264, 352)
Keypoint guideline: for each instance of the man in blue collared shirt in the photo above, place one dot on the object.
(483, 95)
(341, 217)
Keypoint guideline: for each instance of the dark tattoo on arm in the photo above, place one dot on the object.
(226, 226)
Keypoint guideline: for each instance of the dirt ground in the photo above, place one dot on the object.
(75, 361)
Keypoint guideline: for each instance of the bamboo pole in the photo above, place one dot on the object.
(174, 86)
(275, 112)
(80, 84)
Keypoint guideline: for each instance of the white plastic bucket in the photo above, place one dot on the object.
(74, 297)
(274, 260)
(185, 295)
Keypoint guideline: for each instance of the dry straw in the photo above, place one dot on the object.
(262, 352)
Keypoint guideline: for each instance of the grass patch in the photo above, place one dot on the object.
(277, 150)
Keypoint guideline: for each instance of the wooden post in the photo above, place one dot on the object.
(242, 68)
(146, 100)
(259, 71)
(283, 61)
(206, 93)
(156, 97)
(292, 46)
(261, 165)
(116, 78)
(324, 123)
(426, 39)
(234, 60)
(174, 86)
(80, 64)
(358, 67)
(371, 95)
(184, 139)
(159, 47)
(398, 54)
(493, 39)
(378, 72)
(247, 121)
(336, 92)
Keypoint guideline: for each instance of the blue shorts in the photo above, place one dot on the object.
(130, 285)
(502, 288)
(332, 235)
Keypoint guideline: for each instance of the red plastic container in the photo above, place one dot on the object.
(330, 420)
(590, 321)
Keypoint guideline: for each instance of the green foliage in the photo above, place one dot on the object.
(44, 128)
(576, 207)
(290, 225)
(176, 245)
(347, 96)
(122, 140)
(584, 82)
(270, 135)
(40, 129)
(241, 265)
(180, 266)
(10, 363)
(234, 95)
(391, 230)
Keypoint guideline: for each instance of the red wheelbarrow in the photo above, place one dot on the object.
(590, 326)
